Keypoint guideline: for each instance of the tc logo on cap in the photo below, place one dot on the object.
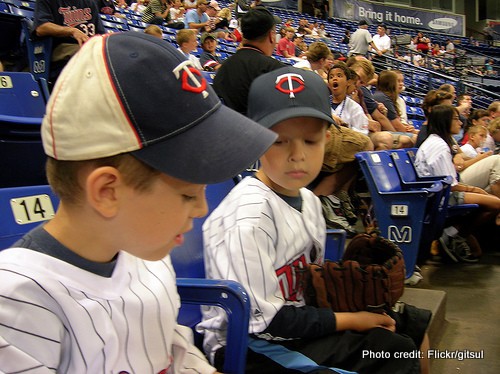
(189, 78)
(289, 79)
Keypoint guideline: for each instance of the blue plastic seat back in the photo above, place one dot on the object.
(188, 258)
(22, 99)
(382, 170)
(22, 209)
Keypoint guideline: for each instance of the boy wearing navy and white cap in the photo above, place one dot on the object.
(93, 290)
(270, 226)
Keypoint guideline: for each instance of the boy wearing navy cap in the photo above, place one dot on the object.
(93, 290)
(270, 226)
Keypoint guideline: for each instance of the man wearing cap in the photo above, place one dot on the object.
(208, 59)
(197, 18)
(233, 79)
(93, 290)
(361, 40)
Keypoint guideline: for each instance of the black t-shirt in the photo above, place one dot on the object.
(81, 14)
(233, 79)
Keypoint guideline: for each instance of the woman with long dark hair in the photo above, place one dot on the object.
(435, 158)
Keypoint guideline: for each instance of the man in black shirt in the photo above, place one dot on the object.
(233, 79)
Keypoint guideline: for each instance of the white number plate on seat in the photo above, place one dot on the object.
(31, 209)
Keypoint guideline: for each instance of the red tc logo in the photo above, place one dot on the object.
(285, 84)
(189, 78)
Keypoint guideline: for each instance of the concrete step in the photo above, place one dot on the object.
(433, 300)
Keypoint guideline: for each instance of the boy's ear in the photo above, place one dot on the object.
(102, 187)
(328, 134)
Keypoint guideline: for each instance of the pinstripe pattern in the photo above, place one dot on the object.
(257, 239)
(57, 317)
(434, 158)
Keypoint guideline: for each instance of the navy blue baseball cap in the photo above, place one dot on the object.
(287, 93)
(133, 93)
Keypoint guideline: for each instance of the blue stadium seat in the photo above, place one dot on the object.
(22, 106)
(402, 211)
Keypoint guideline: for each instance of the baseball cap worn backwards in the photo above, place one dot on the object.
(287, 93)
(133, 93)
(257, 22)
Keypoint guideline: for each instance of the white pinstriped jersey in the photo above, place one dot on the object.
(259, 240)
(434, 158)
(55, 317)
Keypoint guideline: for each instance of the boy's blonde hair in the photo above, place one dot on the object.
(317, 51)
(183, 36)
(154, 30)
(365, 65)
(473, 130)
(494, 126)
(494, 107)
(65, 176)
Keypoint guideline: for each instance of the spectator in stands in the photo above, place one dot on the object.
(139, 6)
(242, 6)
(464, 105)
(317, 54)
(177, 12)
(476, 138)
(198, 19)
(187, 42)
(154, 30)
(431, 99)
(366, 73)
(208, 59)
(70, 28)
(450, 47)
(189, 4)
(494, 130)
(478, 117)
(108, 7)
(422, 42)
(233, 79)
(435, 157)
(272, 228)
(400, 101)
(382, 40)
(494, 109)
(285, 47)
(387, 93)
(347, 37)
(361, 40)
(157, 12)
(490, 67)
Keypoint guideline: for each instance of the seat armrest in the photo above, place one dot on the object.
(233, 298)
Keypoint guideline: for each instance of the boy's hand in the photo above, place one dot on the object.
(363, 321)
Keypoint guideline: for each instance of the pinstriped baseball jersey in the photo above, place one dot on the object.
(434, 158)
(259, 240)
(57, 317)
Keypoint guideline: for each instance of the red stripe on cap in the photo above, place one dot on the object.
(117, 96)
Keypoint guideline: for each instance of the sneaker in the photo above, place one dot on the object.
(347, 207)
(333, 220)
(445, 242)
(414, 279)
(462, 250)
